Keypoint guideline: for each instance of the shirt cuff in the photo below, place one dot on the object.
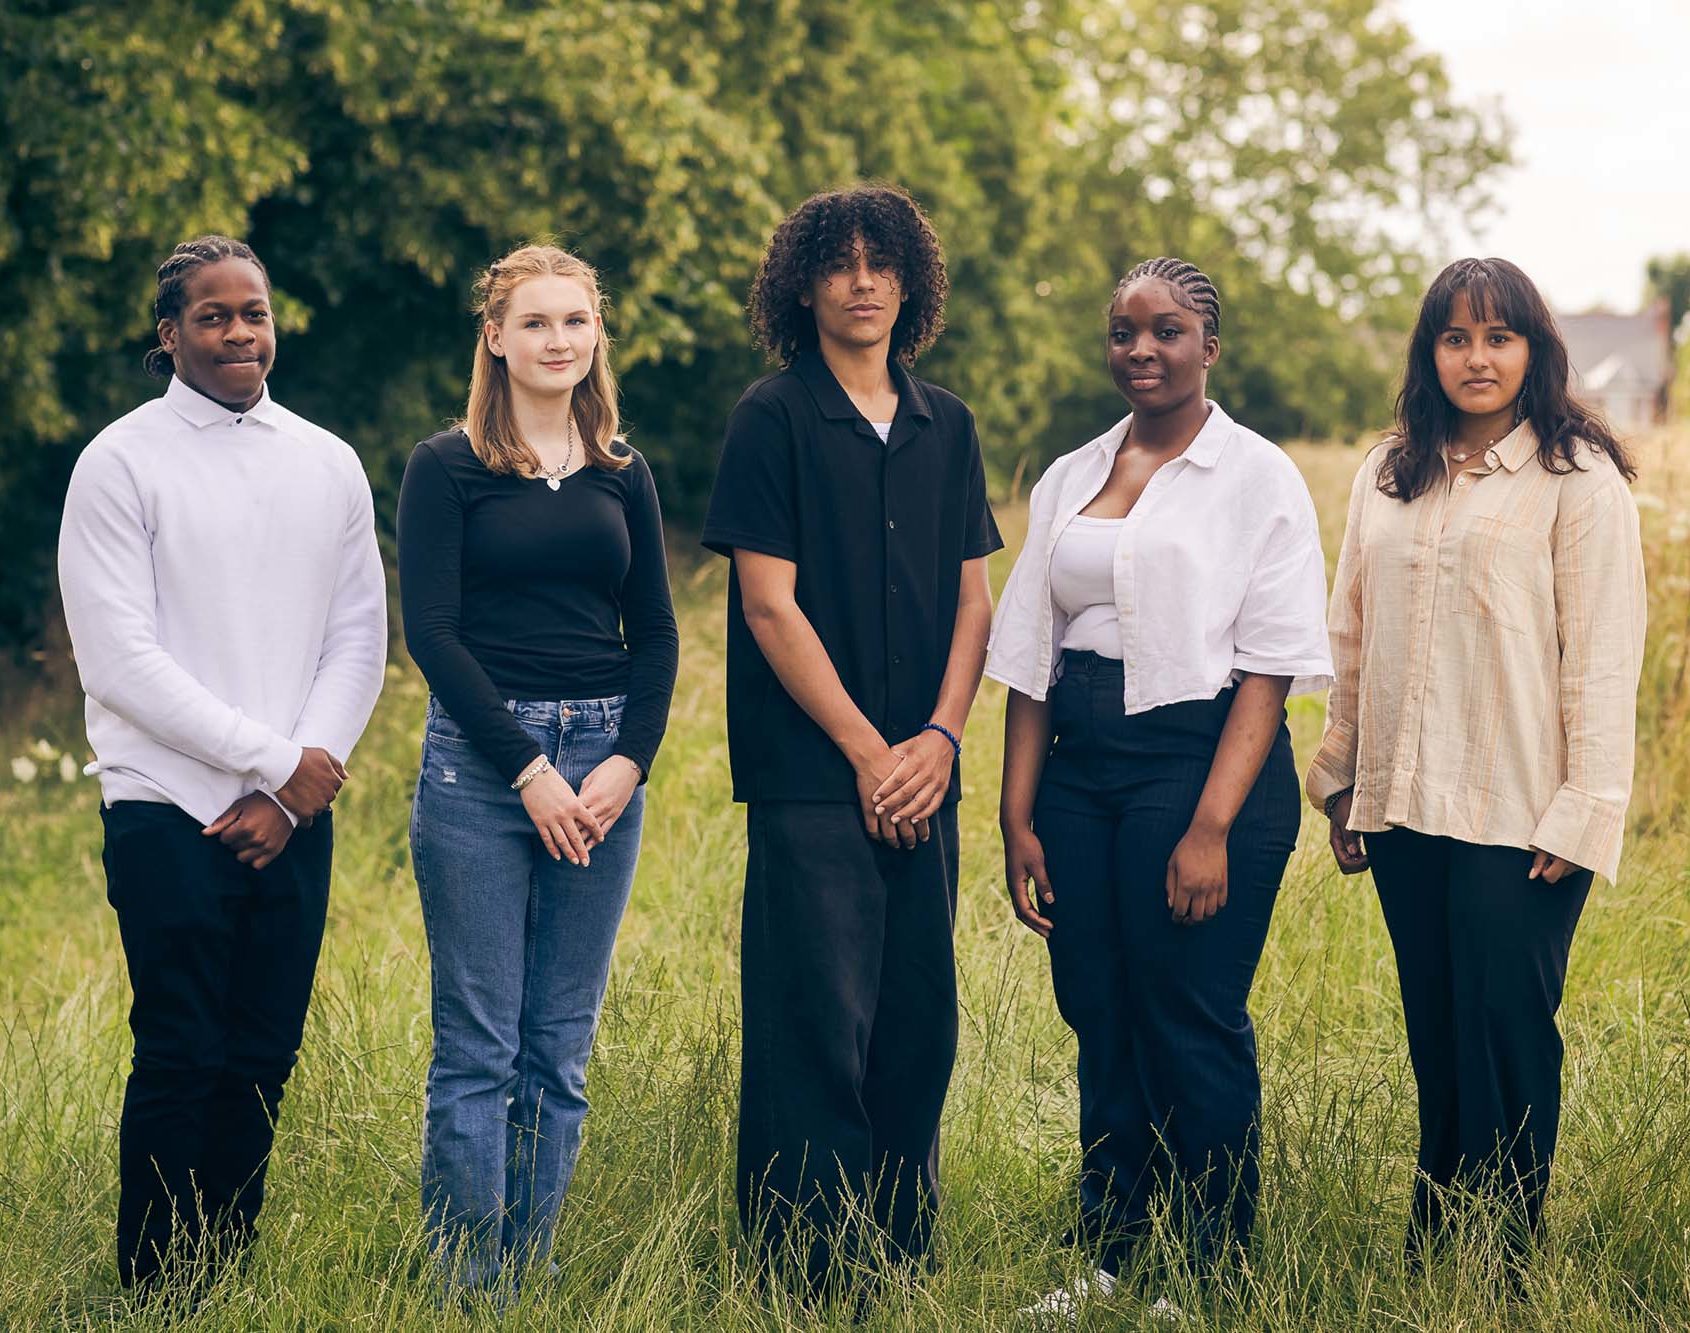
(639, 760)
(1308, 675)
(277, 763)
(1584, 830)
(292, 818)
(1333, 768)
(1021, 684)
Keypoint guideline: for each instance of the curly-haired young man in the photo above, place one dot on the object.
(851, 499)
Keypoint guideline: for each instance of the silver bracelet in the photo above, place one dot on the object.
(539, 766)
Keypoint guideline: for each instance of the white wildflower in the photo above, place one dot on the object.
(69, 769)
(1644, 500)
(24, 769)
(45, 751)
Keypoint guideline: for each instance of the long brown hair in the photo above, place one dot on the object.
(489, 421)
(1426, 419)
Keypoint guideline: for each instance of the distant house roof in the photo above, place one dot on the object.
(1623, 353)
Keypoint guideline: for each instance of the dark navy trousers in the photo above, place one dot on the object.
(1170, 1096)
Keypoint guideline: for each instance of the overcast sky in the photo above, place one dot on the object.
(1598, 95)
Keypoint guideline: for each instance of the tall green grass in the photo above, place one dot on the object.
(649, 1239)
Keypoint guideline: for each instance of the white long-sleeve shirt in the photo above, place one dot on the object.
(1216, 571)
(225, 599)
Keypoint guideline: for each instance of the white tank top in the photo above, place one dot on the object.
(1082, 584)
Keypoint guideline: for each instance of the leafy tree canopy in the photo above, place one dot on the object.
(377, 154)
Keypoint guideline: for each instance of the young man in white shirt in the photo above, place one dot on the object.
(227, 606)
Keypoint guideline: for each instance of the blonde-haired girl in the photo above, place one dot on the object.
(536, 602)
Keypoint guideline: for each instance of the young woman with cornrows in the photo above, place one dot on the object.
(1169, 596)
(536, 602)
(1487, 624)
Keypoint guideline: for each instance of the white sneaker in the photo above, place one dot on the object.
(1063, 1305)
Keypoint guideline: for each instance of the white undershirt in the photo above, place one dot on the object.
(1082, 583)
(882, 429)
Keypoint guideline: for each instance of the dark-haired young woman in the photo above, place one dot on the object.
(1487, 625)
(225, 599)
(1169, 596)
(536, 602)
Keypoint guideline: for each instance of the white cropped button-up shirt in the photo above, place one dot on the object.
(1218, 571)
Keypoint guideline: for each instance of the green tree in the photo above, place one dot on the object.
(1669, 276)
(378, 154)
(1288, 149)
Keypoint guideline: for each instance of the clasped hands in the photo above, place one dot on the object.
(901, 787)
(256, 827)
(571, 823)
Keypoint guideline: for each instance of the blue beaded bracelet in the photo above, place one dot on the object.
(947, 733)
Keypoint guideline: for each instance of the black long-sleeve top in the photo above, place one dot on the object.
(511, 590)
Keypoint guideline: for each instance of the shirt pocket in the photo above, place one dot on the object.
(1505, 576)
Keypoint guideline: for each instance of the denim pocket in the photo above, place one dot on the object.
(440, 726)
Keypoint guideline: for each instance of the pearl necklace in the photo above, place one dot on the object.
(553, 476)
(1462, 458)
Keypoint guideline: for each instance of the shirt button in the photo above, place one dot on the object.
(897, 661)
(891, 523)
(894, 588)
(1461, 481)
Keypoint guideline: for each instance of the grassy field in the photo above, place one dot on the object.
(649, 1238)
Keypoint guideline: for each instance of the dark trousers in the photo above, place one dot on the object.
(848, 983)
(1170, 1096)
(221, 959)
(1481, 959)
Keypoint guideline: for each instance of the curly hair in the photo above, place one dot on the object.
(824, 227)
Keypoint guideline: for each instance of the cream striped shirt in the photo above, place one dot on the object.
(1487, 639)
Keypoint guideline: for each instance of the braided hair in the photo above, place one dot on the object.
(172, 296)
(1195, 292)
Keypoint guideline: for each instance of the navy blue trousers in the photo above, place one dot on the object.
(1170, 1095)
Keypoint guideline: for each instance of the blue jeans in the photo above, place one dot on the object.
(519, 948)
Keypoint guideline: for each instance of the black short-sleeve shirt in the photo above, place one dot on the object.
(879, 533)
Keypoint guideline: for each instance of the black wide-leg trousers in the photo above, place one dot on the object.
(221, 959)
(848, 983)
(1481, 958)
(1170, 1095)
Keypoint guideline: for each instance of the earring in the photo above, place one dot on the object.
(1522, 407)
